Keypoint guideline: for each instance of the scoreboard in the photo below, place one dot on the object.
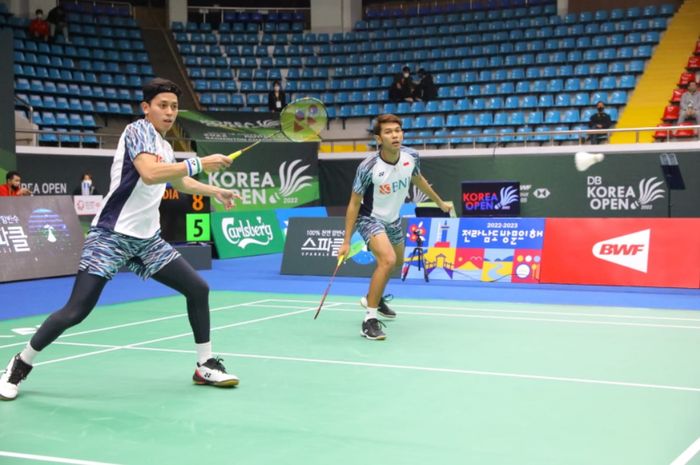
(184, 217)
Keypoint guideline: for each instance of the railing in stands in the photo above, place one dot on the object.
(217, 14)
(512, 139)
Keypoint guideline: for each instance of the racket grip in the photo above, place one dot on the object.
(341, 259)
(235, 155)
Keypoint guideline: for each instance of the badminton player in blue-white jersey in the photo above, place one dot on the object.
(378, 192)
(126, 232)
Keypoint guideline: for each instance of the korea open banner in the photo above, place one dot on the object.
(275, 174)
(661, 252)
(312, 247)
(40, 237)
(475, 249)
(242, 234)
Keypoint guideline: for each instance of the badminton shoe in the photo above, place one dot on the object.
(383, 309)
(372, 329)
(212, 372)
(15, 372)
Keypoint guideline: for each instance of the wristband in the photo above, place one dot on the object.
(194, 166)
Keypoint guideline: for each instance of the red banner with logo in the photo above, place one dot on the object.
(662, 252)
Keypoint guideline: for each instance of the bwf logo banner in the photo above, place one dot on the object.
(630, 250)
(662, 252)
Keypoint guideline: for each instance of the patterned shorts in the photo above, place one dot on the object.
(105, 252)
(369, 226)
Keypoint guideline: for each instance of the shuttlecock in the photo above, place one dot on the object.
(585, 160)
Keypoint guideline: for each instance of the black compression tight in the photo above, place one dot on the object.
(178, 275)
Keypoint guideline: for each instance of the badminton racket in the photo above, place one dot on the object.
(302, 120)
(341, 259)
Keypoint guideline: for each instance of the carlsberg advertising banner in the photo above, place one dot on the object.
(274, 174)
(242, 234)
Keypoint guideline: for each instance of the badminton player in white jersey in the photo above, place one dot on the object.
(126, 232)
(380, 188)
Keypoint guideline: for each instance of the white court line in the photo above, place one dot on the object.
(688, 454)
(46, 458)
(516, 318)
(497, 310)
(167, 338)
(412, 368)
(143, 322)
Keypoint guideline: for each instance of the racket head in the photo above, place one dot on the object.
(303, 120)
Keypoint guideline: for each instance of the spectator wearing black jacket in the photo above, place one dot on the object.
(426, 89)
(600, 120)
(276, 99)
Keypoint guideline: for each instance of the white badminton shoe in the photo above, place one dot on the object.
(16, 371)
(213, 373)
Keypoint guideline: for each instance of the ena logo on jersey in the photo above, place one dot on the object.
(630, 250)
(395, 186)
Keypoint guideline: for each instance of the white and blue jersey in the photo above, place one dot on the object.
(384, 186)
(131, 206)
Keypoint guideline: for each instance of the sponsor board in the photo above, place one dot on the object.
(476, 249)
(284, 214)
(494, 198)
(662, 252)
(86, 205)
(312, 244)
(242, 234)
(39, 237)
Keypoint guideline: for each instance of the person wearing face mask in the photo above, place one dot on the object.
(39, 28)
(126, 232)
(690, 103)
(86, 186)
(403, 88)
(600, 120)
(276, 99)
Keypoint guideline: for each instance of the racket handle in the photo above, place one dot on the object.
(341, 259)
(238, 153)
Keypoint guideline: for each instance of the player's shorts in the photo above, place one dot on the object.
(105, 252)
(369, 226)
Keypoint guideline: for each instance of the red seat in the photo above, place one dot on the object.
(671, 113)
(677, 94)
(685, 133)
(685, 78)
(693, 63)
(660, 134)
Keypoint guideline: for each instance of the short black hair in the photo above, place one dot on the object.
(158, 86)
(39, 10)
(11, 174)
(406, 68)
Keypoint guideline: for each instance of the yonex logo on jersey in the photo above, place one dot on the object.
(395, 186)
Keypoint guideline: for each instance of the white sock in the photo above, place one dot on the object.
(203, 352)
(370, 313)
(28, 353)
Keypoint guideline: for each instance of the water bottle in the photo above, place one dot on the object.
(85, 187)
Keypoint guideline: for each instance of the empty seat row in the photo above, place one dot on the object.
(84, 90)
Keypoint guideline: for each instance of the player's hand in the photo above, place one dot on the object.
(227, 198)
(344, 249)
(445, 207)
(214, 163)
(24, 191)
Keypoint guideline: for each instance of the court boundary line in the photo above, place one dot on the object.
(142, 322)
(535, 312)
(167, 338)
(52, 459)
(405, 367)
(515, 318)
(688, 454)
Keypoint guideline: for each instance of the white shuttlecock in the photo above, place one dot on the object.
(585, 160)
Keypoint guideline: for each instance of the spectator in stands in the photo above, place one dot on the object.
(57, 22)
(39, 27)
(403, 88)
(12, 187)
(86, 186)
(426, 89)
(690, 103)
(276, 99)
(600, 120)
